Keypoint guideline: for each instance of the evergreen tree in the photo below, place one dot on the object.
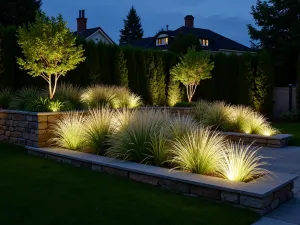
(277, 30)
(132, 28)
(18, 12)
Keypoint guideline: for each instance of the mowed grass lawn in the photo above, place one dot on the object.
(290, 128)
(36, 191)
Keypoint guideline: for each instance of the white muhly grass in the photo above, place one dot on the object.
(218, 115)
(200, 110)
(200, 151)
(98, 125)
(126, 98)
(133, 142)
(99, 96)
(241, 163)
(179, 125)
(69, 132)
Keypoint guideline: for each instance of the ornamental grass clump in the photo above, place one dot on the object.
(98, 96)
(69, 93)
(218, 115)
(240, 119)
(98, 126)
(23, 98)
(127, 99)
(69, 132)
(241, 163)
(200, 151)
(159, 145)
(5, 97)
(122, 118)
(179, 125)
(200, 110)
(134, 141)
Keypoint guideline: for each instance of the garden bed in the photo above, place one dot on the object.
(33, 129)
(262, 195)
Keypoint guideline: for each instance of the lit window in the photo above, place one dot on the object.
(162, 41)
(204, 42)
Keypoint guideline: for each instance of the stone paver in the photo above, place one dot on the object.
(270, 221)
(285, 160)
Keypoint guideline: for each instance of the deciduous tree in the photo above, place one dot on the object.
(192, 68)
(49, 49)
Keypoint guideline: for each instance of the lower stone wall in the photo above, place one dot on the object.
(25, 128)
(261, 205)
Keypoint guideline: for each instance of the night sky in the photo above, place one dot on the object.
(228, 18)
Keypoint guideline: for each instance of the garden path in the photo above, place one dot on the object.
(285, 160)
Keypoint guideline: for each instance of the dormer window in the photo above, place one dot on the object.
(204, 42)
(162, 41)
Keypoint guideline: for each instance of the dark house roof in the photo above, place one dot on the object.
(88, 32)
(216, 41)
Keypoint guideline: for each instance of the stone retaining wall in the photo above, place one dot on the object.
(262, 195)
(33, 129)
(26, 128)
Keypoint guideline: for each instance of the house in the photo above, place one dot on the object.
(210, 41)
(95, 34)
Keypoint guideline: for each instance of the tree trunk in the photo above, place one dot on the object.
(52, 90)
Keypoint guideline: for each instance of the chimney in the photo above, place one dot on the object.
(81, 22)
(189, 21)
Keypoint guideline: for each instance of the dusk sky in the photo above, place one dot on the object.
(228, 18)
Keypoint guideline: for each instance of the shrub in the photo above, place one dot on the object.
(5, 97)
(69, 132)
(241, 163)
(97, 127)
(69, 93)
(199, 151)
(294, 115)
(98, 96)
(134, 142)
(44, 104)
(24, 98)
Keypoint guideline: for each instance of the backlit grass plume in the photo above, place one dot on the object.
(199, 151)
(69, 132)
(134, 141)
(241, 163)
(98, 125)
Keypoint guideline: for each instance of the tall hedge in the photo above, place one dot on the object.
(240, 79)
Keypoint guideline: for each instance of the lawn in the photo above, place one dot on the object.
(290, 128)
(36, 191)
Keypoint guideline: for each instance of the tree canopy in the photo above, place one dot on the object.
(192, 68)
(18, 12)
(277, 29)
(182, 43)
(132, 28)
(49, 49)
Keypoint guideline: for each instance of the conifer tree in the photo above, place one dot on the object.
(132, 28)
